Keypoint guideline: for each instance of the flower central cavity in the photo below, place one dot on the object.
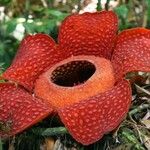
(75, 79)
(73, 73)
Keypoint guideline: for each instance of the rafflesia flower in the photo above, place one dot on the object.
(82, 78)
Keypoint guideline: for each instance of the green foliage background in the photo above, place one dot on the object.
(45, 16)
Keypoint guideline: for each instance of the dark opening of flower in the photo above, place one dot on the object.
(82, 77)
(73, 73)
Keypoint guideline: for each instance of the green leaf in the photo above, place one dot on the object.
(122, 11)
(37, 8)
(29, 27)
(148, 12)
(56, 14)
(11, 25)
(54, 131)
(128, 136)
(5, 2)
(99, 6)
(1, 148)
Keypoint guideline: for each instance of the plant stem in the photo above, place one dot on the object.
(99, 6)
(138, 109)
(54, 131)
(107, 4)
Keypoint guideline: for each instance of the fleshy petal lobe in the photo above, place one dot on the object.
(132, 52)
(88, 120)
(19, 110)
(23, 47)
(35, 53)
(89, 34)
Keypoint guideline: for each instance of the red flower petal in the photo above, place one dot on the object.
(89, 34)
(23, 47)
(35, 53)
(19, 109)
(88, 120)
(132, 52)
